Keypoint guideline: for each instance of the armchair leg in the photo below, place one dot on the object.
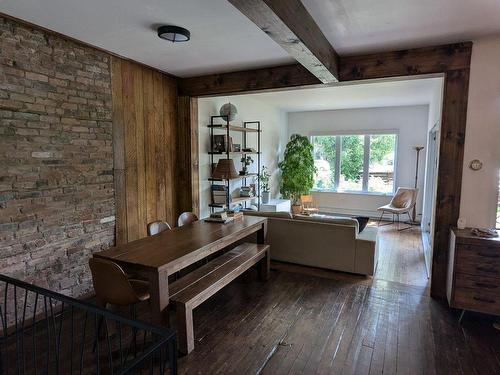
(410, 224)
(380, 220)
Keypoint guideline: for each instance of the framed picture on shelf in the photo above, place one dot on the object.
(221, 143)
(236, 147)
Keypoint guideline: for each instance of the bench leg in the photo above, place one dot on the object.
(185, 328)
(264, 266)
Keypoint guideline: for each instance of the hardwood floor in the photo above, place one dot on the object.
(401, 257)
(307, 321)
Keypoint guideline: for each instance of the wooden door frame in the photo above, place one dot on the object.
(452, 61)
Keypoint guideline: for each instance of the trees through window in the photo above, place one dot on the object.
(355, 162)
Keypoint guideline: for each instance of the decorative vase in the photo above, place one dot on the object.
(265, 197)
(296, 209)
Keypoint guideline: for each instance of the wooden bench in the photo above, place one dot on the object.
(197, 286)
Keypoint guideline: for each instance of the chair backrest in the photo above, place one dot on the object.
(186, 218)
(157, 227)
(307, 201)
(110, 283)
(404, 197)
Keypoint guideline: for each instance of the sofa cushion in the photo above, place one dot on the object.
(338, 220)
(279, 214)
(369, 234)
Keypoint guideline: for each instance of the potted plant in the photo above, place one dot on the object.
(264, 182)
(245, 162)
(297, 170)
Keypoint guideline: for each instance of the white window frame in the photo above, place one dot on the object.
(366, 160)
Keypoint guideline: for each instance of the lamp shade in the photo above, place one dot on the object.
(225, 169)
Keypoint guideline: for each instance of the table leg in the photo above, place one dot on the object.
(264, 264)
(261, 233)
(158, 284)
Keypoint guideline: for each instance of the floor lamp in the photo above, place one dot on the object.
(414, 214)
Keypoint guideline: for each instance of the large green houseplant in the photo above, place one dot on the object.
(297, 170)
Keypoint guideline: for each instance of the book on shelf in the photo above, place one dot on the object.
(246, 192)
(220, 194)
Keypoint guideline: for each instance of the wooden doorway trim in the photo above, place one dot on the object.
(451, 60)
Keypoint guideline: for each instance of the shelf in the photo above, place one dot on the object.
(250, 175)
(234, 201)
(233, 153)
(234, 128)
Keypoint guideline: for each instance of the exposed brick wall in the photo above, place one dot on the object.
(56, 164)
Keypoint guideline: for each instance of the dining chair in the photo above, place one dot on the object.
(157, 227)
(308, 205)
(186, 218)
(112, 286)
(401, 203)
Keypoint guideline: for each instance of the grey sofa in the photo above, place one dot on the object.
(321, 241)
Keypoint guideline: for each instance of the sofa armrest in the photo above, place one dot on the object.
(366, 258)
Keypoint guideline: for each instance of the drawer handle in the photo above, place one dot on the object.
(483, 300)
(488, 255)
(489, 286)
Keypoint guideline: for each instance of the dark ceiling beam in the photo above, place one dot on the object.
(280, 77)
(290, 25)
(428, 60)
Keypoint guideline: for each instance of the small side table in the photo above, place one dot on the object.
(276, 205)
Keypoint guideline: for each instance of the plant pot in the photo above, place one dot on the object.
(265, 197)
(296, 209)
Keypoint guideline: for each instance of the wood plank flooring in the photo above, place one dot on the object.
(305, 321)
(401, 257)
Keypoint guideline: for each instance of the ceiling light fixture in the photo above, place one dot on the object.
(174, 34)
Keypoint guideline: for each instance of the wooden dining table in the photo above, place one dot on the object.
(156, 257)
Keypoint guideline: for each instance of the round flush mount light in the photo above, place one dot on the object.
(174, 34)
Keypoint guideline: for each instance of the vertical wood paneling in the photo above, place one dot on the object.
(195, 178)
(130, 144)
(170, 121)
(150, 145)
(144, 123)
(141, 159)
(119, 153)
(187, 156)
(160, 146)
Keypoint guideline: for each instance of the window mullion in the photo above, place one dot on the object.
(366, 162)
(337, 161)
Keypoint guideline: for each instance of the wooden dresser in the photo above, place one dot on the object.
(473, 280)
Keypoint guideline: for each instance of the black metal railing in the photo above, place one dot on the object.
(43, 332)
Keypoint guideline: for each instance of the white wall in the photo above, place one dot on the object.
(272, 125)
(411, 123)
(482, 137)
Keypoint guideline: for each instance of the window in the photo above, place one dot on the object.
(355, 162)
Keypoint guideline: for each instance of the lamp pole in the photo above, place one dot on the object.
(417, 149)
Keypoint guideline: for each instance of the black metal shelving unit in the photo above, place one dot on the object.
(247, 128)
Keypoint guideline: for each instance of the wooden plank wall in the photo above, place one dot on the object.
(144, 138)
(187, 178)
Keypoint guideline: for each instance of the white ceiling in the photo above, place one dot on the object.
(224, 40)
(360, 95)
(361, 26)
